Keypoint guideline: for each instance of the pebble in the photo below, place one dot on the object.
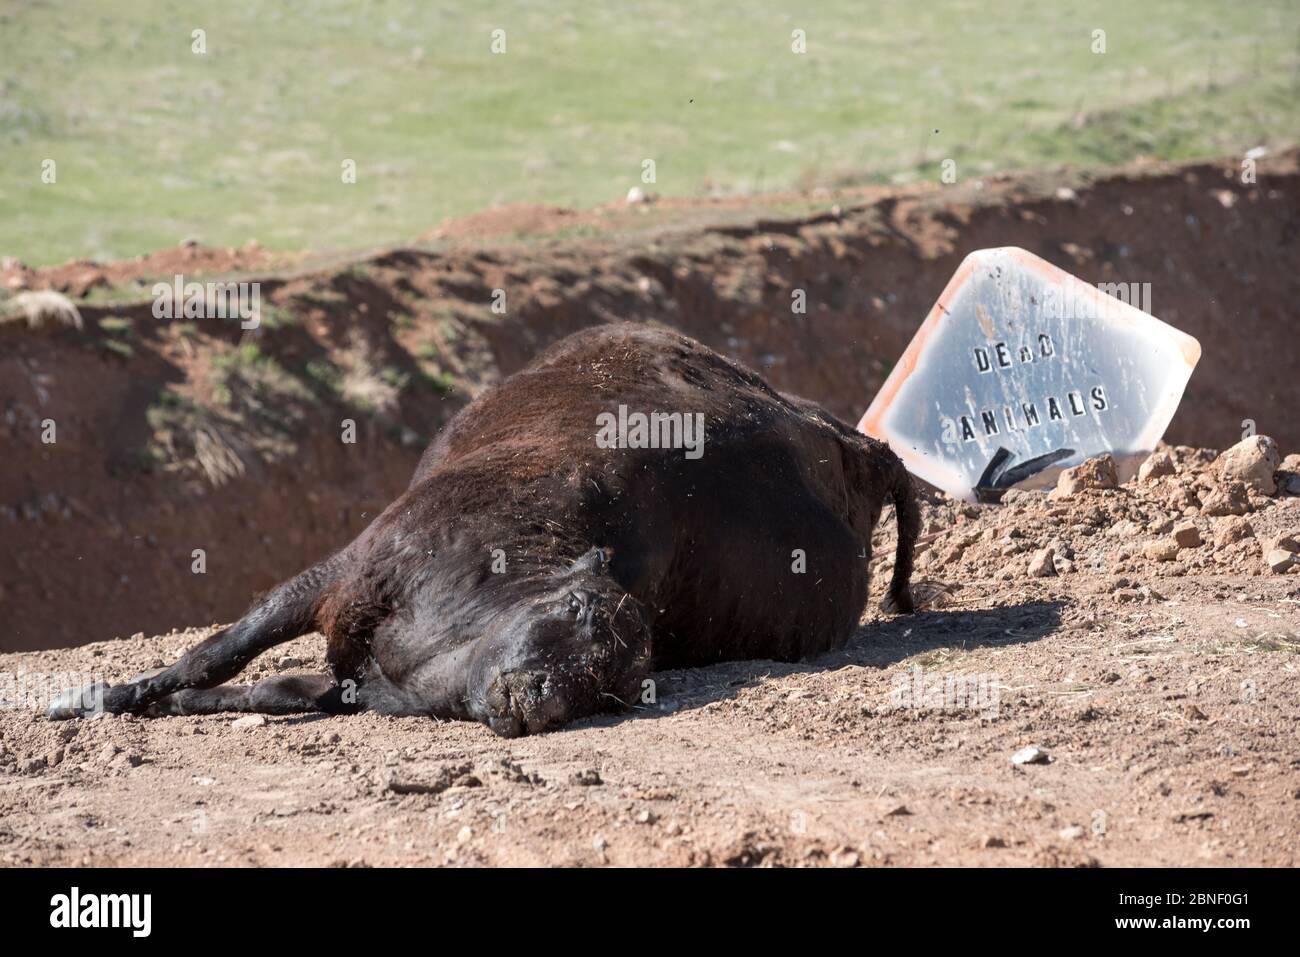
(1042, 565)
(1229, 499)
(1232, 529)
(845, 857)
(1251, 461)
(1071, 833)
(1031, 754)
(1157, 465)
(1098, 472)
(1280, 561)
(249, 721)
(1187, 535)
(1161, 550)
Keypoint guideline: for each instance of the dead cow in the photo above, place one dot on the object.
(542, 562)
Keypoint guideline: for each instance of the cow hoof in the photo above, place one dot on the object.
(78, 702)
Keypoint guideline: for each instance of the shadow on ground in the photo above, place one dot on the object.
(878, 644)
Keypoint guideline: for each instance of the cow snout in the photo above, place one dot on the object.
(525, 702)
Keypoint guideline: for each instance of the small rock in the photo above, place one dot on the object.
(1280, 561)
(1251, 461)
(1031, 754)
(465, 835)
(1022, 495)
(1187, 535)
(586, 778)
(1161, 550)
(1098, 472)
(1193, 713)
(1042, 565)
(845, 857)
(1232, 529)
(249, 721)
(288, 662)
(1228, 499)
(1071, 833)
(991, 840)
(54, 758)
(1157, 465)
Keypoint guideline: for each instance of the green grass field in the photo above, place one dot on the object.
(154, 143)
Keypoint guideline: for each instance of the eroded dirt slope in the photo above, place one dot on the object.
(175, 435)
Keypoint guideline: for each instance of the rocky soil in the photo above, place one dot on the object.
(1100, 675)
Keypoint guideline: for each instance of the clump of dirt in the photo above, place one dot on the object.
(1180, 517)
(180, 443)
(1067, 695)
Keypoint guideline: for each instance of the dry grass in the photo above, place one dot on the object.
(45, 308)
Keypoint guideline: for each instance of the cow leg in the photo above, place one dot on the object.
(283, 694)
(287, 612)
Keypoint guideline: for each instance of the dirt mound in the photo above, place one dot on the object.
(531, 219)
(1125, 707)
(195, 443)
(82, 277)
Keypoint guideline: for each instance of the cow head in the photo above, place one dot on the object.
(572, 642)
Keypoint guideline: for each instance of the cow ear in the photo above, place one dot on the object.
(593, 562)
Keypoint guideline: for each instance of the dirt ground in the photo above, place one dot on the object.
(1154, 670)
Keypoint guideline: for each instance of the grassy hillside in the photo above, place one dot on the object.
(154, 143)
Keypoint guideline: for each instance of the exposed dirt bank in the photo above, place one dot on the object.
(175, 435)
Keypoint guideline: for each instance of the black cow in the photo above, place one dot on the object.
(558, 542)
